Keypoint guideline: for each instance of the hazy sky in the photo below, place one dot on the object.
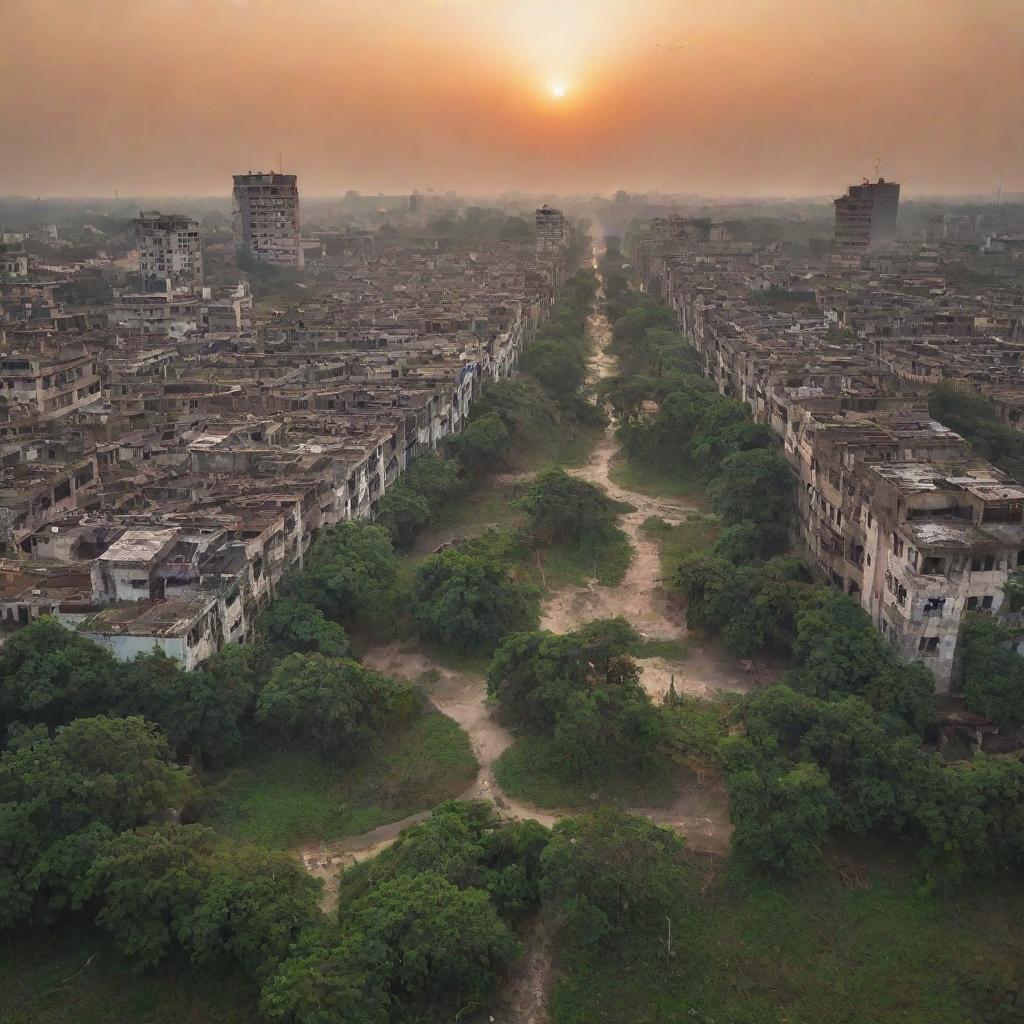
(722, 97)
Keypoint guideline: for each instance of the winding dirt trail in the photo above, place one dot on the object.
(639, 597)
(700, 812)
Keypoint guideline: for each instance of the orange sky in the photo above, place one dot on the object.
(722, 97)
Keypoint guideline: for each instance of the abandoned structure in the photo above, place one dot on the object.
(266, 217)
(165, 458)
(893, 508)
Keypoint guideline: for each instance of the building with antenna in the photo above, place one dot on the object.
(865, 219)
(266, 217)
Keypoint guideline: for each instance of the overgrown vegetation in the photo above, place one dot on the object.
(584, 722)
(975, 418)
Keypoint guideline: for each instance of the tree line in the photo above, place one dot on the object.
(843, 743)
(98, 785)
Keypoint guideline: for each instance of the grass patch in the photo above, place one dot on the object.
(567, 566)
(670, 650)
(694, 536)
(677, 482)
(73, 975)
(558, 446)
(282, 798)
(752, 951)
(532, 771)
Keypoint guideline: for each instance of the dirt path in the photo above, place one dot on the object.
(700, 812)
(639, 598)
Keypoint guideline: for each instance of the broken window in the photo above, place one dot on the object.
(983, 563)
(928, 645)
(986, 602)
(934, 605)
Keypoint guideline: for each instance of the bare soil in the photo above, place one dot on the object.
(700, 813)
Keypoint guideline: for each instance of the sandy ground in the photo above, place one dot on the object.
(700, 813)
(640, 598)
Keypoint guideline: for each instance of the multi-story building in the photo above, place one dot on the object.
(266, 217)
(892, 507)
(47, 383)
(170, 252)
(866, 218)
(552, 230)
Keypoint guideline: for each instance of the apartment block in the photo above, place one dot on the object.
(266, 217)
(170, 252)
(893, 507)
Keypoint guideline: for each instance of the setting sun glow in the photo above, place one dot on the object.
(558, 90)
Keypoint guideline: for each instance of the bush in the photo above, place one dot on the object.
(470, 601)
(351, 575)
(335, 704)
(608, 873)
(992, 673)
(483, 444)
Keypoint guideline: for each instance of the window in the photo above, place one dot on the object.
(972, 604)
(934, 605)
(928, 645)
(986, 602)
(897, 545)
(983, 563)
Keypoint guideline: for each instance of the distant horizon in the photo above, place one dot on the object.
(722, 198)
(738, 98)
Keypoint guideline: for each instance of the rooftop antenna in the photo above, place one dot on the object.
(878, 161)
(999, 194)
(280, 162)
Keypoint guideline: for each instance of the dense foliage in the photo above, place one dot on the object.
(469, 600)
(992, 673)
(976, 418)
(582, 691)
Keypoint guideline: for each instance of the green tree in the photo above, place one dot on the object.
(444, 946)
(291, 625)
(403, 513)
(470, 601)
(483, 443)
(335, 704)
(564, 509)
(434, 478)
(756, 486)
(837, 651)
(96, 773)
(782, 816)
(351, 575)
(609, 872)
(52, 675)
(992, 673)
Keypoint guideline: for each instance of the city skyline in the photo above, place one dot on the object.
(172, 97)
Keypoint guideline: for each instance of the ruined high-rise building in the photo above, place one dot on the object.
(266, 217)
(866, 218)
(552, 230)
(169, 251)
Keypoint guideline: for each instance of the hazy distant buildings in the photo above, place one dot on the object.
(415, 202)
(266, 217)
(170, 252)
(866, 218)
(552, 230)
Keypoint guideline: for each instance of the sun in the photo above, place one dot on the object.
(558, 91)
